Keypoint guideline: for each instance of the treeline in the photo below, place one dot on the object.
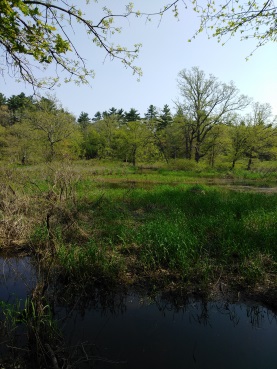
(206, 126)
(169, 136)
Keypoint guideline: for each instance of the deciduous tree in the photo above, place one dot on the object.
(54, 124)
(260, 132)
(206, 102)
(249, 19)
(38, 33)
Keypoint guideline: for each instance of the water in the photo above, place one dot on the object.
(207, 336)
(17, 278)
(134, 331)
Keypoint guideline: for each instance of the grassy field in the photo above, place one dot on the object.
(110, 223)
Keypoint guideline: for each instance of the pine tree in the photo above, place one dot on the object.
(132, 115)
(165, 118)
(152, 113)
(84, 120)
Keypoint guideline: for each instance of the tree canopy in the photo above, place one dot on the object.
(207, 126)
(39, 33)
(207, 102)
(249, 19)
(36, 34)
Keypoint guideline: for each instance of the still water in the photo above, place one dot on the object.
(137, 332)
(207, 336)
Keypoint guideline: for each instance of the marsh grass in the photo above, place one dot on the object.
(89, 262)
(32, 334)
(192, 230)
(198, 233)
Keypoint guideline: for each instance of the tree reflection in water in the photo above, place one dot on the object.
(47, 324)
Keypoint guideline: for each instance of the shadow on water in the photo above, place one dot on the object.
(105, 329)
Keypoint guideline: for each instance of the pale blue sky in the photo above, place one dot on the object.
(164, 53)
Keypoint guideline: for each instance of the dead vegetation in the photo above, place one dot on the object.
(28, 204)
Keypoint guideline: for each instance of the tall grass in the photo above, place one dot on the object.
(194, 231)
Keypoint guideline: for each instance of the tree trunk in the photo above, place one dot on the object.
(197, 155)
(249, 163)
(134, 156)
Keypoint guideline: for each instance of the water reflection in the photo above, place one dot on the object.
(126, 329)
(17, 278)
(151, 333)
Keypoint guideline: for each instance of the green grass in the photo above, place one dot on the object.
(194, 232)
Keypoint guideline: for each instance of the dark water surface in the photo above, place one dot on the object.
(137, 332)
(206, 336)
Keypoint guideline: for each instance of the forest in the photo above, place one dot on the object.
(208, 126)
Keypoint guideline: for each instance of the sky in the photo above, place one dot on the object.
(165, 52)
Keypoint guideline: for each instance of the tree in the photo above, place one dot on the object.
(151, 113)
(97, 116)
(107, 128)
(118, 114)
(22, 143)
(185, 126)
(206, 102)
(238, 138)
(17, 104)
(3, 99)
(84, 120)
(132, 115)
(38, 33)
(251, 19)
(215, 144)
(4, 116)
(4, 111)
(54, 124)
(112, 111)
(133, 141)
(259, 133)
(92, 143)
(165, 118)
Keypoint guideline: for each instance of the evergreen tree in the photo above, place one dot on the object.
(112, 111)
(3, 99)
(97, 117)
(17, 104)
(132, 115)
(165, 118)
(120, 115)
(152, 113)
(84, 120)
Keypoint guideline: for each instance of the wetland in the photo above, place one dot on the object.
(121, 267)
